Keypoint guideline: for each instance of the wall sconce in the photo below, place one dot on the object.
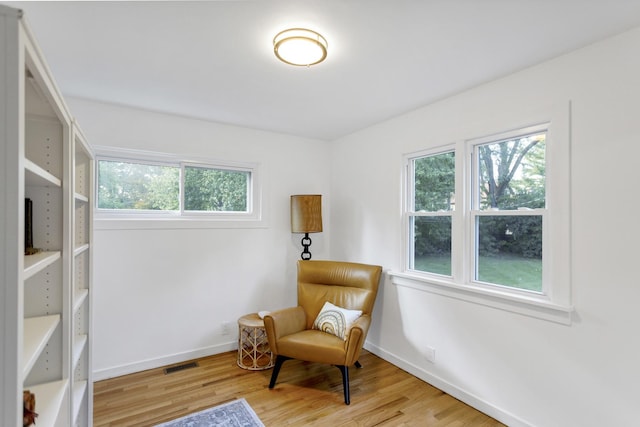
(306, 217)
(300, 47)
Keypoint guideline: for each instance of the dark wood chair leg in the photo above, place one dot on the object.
(345, 382)
(276, 369)
(358, 365)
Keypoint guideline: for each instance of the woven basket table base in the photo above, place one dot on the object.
(253, 347)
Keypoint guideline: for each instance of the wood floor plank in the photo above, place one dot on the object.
(306, 394)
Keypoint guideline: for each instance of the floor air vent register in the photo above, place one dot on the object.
(172, 369)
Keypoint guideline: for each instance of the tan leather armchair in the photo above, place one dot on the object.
(290, 331)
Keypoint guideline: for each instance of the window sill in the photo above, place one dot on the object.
(531, 306)
(173, 223)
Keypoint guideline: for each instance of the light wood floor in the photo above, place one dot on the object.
(306, 394)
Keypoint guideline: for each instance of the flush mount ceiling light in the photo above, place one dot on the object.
(300, 47)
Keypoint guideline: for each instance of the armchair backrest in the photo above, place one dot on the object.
(349, 285)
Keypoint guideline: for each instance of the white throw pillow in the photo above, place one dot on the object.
(336, 320)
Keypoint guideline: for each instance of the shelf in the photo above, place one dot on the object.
(78, 347)
(81, 198)
(38, 262)
(79, 299)
(78, 250)
(78, 392)
(35, 176)
(49, 398)
(37, 331)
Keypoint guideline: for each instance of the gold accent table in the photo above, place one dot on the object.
(253, 347)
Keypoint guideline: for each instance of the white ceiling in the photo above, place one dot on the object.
(214, 59)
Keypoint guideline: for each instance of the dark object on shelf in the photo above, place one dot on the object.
(32, 251)
(29, 408)
(28, 228)
(28, 225)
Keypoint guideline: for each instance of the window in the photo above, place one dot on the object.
(149, 185)
(135, 186)
(507, 200)
(479, 224)
(216, 190)
(508, 205)
(432, 205)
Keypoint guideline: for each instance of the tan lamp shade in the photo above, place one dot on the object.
(306, 213)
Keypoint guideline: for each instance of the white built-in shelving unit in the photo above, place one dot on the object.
(81, 261)
(45, 298)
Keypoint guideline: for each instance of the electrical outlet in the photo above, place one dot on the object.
(430, 354)
(226, 327)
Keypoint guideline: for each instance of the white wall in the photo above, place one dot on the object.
(521, 370)
(161, 295)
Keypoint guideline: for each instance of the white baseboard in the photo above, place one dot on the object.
(449, 388)
(116, 371)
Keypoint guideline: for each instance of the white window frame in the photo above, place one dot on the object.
(151, 219)
(474, 211)
(554, 303)
(410, 207)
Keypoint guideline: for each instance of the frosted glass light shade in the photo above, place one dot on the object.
(300, 47)
(306, 213)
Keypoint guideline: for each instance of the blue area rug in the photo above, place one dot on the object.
(237, 413)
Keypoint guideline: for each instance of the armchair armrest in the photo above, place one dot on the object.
(356, 338)
(284, 322)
